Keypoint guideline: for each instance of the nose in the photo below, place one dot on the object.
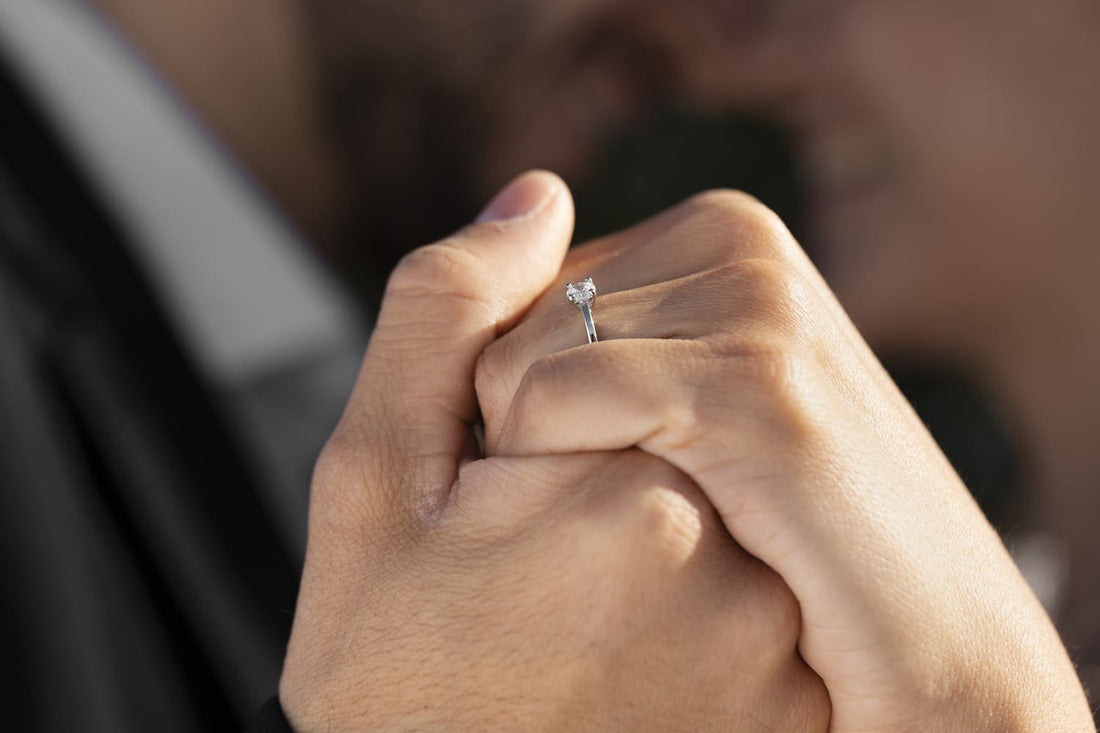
(754, 54)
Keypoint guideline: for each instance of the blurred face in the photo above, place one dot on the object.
(952, 152)
(439, 103)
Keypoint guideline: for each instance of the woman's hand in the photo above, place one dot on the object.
(593, 592)
(724, 353)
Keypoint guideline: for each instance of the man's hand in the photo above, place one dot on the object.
(567, 592)
(723, 352)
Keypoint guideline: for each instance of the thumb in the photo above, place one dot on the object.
(412, 409)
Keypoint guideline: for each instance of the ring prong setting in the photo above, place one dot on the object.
(581, 294)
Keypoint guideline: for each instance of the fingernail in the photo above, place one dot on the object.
(521, 198)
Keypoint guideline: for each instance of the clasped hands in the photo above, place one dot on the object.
(723, 516)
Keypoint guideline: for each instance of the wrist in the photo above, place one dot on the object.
(1021, 683)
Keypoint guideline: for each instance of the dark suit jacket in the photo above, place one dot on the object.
(143, 585)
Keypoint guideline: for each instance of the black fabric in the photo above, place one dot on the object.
(143, 585)
(271, 719)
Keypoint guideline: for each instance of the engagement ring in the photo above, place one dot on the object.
(582, 295)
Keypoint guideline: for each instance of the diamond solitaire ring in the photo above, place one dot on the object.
(582, 295)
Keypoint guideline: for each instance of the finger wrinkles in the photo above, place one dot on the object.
(599, 397)
(440, 271)
(767, 296)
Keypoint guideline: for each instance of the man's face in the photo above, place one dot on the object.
(950, 147)
(439, 103)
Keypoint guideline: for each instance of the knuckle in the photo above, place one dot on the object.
(536, 390)
(736, 208)
(340, 484)
(741, 218)
(504, 357)
(684, 415)
(723, 199)
(488, 373)
(769, 365)
(497, 375)
(776, 381)
(772, 293)
(669, 526)
(441, 269)
(338, 458)
(349, 466)
(356, 495)
(654, 508)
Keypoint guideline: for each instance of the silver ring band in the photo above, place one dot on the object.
(583, 295)
(589, 324)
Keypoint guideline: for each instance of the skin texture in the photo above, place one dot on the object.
(595, 592)
(724, 353)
